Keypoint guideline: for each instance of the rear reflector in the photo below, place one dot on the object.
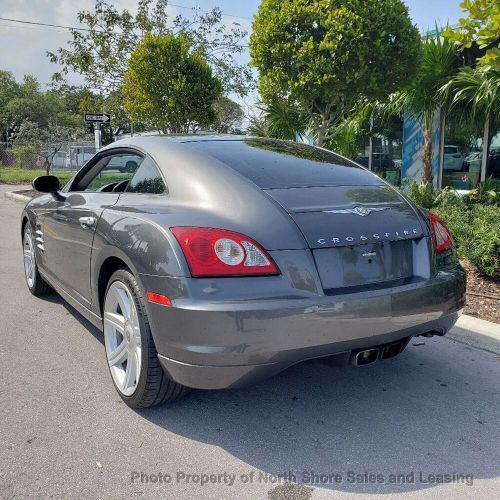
(157, 298)
(220, 252)
(441, 236)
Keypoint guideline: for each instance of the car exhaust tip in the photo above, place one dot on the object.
(366, 357)
(440, 332)
(391, 350)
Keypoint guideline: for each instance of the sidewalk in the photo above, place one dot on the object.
(476, 333)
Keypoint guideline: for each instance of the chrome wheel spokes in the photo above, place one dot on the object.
(29, 257)
(122, 337)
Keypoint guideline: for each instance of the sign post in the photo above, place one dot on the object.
(97, 119)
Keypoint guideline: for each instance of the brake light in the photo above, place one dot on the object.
(220, 252)
(441, 236)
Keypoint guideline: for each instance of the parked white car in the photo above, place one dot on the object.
(453, 158)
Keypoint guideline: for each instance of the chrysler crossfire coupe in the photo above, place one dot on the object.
(213, 262)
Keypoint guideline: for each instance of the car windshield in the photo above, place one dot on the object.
(273, 164)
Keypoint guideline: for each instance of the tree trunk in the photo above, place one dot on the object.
(323, 128)
(427, 157)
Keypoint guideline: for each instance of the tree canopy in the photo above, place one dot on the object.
(328, 54)
(169, 86)
(229, 114)
(101, 52)
(26, 101)
(481, 26)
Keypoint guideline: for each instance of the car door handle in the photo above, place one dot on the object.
(87, 222)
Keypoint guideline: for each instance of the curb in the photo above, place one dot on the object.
(476, 333)
(16, 196)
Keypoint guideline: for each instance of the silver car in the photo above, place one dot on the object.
(218, 261)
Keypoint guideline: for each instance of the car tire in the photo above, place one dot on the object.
(36, 284)
(130, 349)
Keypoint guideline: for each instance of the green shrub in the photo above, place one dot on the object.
(422, 195)
(24, 156)
(448, 196)
(486, 193)
(476, 231)
(484, 251)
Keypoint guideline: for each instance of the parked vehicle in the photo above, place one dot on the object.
(472, 162)
(224, 260)
(453, 158)
(57, 160)
(381, 162)
(79, 155)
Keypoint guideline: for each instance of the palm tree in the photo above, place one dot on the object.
(422, 98)
(475, 93)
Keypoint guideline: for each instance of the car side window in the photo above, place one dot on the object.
(147, 179)
(110, 171)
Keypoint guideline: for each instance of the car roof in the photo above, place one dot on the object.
(267, 163)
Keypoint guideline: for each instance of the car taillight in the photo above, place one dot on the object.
(441, 236)
(220, 252)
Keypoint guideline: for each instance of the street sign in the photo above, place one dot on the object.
(97, 118)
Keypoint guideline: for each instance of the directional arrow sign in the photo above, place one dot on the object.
(97, 118)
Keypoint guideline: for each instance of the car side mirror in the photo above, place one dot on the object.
(48, 184)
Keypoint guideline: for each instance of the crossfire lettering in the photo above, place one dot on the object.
(375, 236)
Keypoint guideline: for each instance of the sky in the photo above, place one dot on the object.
(23, 48)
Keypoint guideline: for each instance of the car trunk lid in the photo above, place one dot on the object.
(359, 235)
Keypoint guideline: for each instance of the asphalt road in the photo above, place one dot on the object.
(64, 432)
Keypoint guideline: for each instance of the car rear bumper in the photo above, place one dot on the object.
(221, 345)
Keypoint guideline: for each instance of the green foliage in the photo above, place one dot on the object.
(347, 138)
(10, 175)
(423, 96)
(476, 232)
(422, 195)
(279, 119)
(476, 90)
(326, 55)
(485, 193)
(169, 86)
(228, 115)
(101, 52)
(25, 156)
(474, 226)
(481, 26)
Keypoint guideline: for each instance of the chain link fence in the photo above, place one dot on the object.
(59, 157)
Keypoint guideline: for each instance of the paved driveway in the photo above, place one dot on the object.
(64, 432)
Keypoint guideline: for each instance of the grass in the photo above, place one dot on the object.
(9, 175)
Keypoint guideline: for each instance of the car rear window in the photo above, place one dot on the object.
(273, 164)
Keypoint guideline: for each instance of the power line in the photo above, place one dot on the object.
(43, 24)
(33, 28)
(35, 23)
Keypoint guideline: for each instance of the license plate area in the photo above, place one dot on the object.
(364, 264)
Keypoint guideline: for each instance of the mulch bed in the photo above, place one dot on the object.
(482, 305)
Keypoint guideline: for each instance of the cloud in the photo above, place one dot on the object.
(23, 48)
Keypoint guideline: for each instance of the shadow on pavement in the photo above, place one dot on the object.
(414, 413)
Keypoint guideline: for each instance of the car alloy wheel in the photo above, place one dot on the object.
(122, 337)
(29, 257)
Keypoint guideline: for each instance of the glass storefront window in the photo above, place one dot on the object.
(386, 159)
(493, 162)
(462, 154)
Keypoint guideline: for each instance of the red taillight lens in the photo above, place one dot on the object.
(441, 236)
(219, 252)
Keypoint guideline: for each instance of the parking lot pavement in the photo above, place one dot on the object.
(64, 432)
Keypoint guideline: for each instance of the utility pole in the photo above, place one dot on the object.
(97, 136)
